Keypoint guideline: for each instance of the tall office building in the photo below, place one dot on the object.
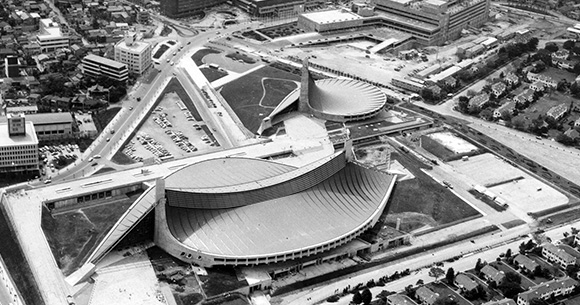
(18, 145)
(184, 8)
(135, 54)
(94, 65)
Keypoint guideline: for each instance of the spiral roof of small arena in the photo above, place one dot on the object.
(346, 97)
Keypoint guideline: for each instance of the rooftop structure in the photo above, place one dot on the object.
(332, 99)
(94, 65)
(546, 290)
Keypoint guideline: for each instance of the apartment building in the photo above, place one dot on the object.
(546, 290)
(18, 145)
(94, 65)
(557, 255)
(135, 54)
(50, 36)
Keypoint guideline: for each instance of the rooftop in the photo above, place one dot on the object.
(136, 46)
(28, 139)
(346, 97)
(331, 16)
(105, 61)
(50, 118)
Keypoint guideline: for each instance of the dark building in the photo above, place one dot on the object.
(185, 8)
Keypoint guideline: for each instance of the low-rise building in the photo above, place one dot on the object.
(479, 101)
(94, 65)
(546, 80)
(557, 255)
(18, 145)
(512, 79)
(409, 84)
(52, 126)
(51, 36)
(525, 263)
(558, 112)
(561, 54)
(501, 302)
(465, 283)
(498, 89)
(508, 107)
(546, 290)
(525, 97)
(537, 86)
(426, 295)
(492, 275)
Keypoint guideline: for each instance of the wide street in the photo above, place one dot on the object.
(107, 143)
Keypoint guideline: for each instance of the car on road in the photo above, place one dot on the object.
(108, 139)
(95, 164)
(447, 184)
(172, 63)
(131, 108)
(90, 159)
(97, 156)
(138, 99)
(538, 137)
(168, 60)
(189, 42)
(47, 181)
(112, 131)
(174, 53)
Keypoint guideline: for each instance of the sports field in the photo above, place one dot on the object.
(255, 95)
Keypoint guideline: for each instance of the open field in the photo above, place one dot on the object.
(422, 202)
(220, 280)
(558, 74)
(213, 74)
(504, 180)
(72, 235)
(246, 95)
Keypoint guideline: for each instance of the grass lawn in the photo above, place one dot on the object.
(15, 261)
(102, 118)
(436, 148)
(241, 56)
(121, 158)
(199, 55)
(558, 74)
(244, 95)
(445, 292)
(276, 88)
(220, 280)
(542, 105)
(424, 198)
(160, 51)
(74, 234)
(501, 266)
(213, 74)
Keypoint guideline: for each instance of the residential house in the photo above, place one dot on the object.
(426, 295)
(501, 302)
(557, 255)
(479, 101)
(525, 263)
(576, 125)
(498, 89)
(561, 54)
(512, 79)
(558, 112)
(492, 275)
(509, 107)
(546, 290)
(546, 80)
(572, 133)
(5, 27)
(525, 97)
(565, 64)
(537, 86)
(465, 283)
(400, 299)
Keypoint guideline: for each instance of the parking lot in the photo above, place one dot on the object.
(170, 131)
(55, 157)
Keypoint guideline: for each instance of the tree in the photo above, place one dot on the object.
(450, 276)
(486, 114)
(357, 297)
(564, 139)
(436, 272)
(568, 44)
(367, 296)
(478, 265)
(508, 253)
(463, 104)
(519, 123)
(420, 282)
(552, 47)
(513, 277)
(445, 301)
(532, 43)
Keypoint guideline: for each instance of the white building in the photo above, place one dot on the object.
(50, 37)
(135, 54)
(18, 145)
(94, 65)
